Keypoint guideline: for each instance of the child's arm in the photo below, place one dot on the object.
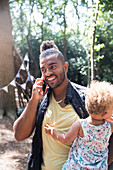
(64, 138)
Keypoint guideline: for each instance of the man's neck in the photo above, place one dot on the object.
(61, 91)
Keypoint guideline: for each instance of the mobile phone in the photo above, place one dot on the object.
(44, 86)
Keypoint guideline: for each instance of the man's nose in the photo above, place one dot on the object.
(48, 72)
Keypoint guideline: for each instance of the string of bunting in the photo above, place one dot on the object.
(14, 82)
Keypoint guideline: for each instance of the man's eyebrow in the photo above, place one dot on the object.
(53, 63)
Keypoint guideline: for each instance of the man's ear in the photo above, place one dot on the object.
(66, 65)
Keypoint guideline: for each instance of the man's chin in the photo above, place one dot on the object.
(55, 86)
(52, 86)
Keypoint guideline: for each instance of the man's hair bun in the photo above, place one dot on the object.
(46, 45)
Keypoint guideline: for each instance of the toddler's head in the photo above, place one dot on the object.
(99, 97)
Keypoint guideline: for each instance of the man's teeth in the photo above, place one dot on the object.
(51, 79)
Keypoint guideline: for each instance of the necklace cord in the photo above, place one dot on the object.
(60, 100)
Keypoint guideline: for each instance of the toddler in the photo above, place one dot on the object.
(91, 135)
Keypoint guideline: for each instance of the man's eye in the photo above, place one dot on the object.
(53, 67)
(43, 70)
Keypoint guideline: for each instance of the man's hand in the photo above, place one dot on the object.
(37, 91)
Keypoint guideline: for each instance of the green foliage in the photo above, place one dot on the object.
(107, 5)
(37, 20)
(106, 72)
(99, 47)
(78, 62)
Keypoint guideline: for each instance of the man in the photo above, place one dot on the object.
(60, 106)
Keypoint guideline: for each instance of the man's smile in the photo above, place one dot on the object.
(50, 79)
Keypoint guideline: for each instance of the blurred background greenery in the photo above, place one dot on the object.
(82, 30)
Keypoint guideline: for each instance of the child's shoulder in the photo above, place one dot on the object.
(82, 121)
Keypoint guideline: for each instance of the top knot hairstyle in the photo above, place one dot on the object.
(47, 45)
(49, 48)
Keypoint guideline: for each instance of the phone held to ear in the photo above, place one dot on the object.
(44, 86)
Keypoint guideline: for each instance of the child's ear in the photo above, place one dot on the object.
(110, 119)
(104, 115)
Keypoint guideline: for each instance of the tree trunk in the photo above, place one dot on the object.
(65, 26)
(36, 69)
(7, 100)
(89, 64)
(93, 42)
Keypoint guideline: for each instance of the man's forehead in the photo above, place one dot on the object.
(50, 62)
(49, 58)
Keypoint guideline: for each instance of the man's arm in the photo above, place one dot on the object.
(25, 124)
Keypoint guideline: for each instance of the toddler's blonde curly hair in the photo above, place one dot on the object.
(99, 97)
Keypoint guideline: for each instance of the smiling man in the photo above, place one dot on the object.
(60, 105)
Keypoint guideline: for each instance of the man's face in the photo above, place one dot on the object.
(53, 71)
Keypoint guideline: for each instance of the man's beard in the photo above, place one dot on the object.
(60, 79)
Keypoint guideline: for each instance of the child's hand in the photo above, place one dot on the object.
(48, 129)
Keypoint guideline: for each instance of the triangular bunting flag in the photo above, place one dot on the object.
(13, 83)
(5, 89)
(23, 86)
(28, 78)
(32, 78)
(22, 67)
(18, 75)
(26, 57)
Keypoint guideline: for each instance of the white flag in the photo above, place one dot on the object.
(23, 86)
(28, 78)
(5, 89)
(32, 78)
(26, 57)
(22, 67)
(18, 75)
(13, 83)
